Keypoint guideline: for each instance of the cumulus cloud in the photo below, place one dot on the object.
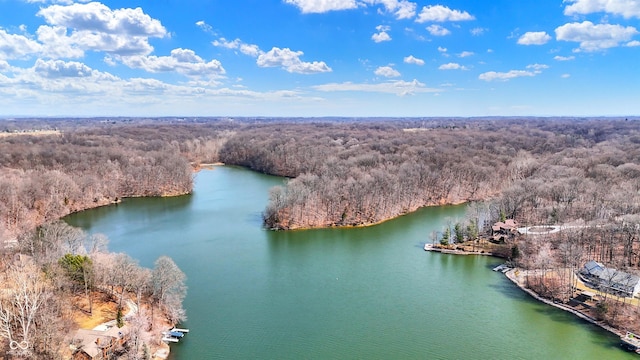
(398, 87)
(625, 8)
(247, 49)
(563, 58)
(537, 68)
(504, 76)
(97, 17)
(13, 46)
(595, 37)
(387, 71)
(182, 61)
(439, 13)
(322, 6)
(534, 38)
(465, 54)
(224, 43)
(633, 43)
(58, 69)
(73, 29)
(290, 61)
(382, 34)
(452, 66)
(413, 60)
(437, 30)
(402, 9)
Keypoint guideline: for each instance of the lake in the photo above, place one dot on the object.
(361, 293)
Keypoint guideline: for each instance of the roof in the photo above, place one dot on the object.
(92, 341)
(616, 277)
(508, 225)
(594, 268)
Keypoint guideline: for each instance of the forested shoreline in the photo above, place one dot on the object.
(340, 172)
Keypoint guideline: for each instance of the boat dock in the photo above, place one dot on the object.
(174, 335)
(184, 331)
(631, 342)
(502, 268)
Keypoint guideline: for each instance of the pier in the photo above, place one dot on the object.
(174, 335)
(631, 342)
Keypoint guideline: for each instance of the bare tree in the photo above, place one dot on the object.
(169, 289)
(20, 307)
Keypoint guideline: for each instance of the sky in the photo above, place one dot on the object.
(315, 58)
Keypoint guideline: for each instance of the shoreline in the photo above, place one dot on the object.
(513, 277)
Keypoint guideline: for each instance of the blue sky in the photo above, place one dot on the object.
(319, 58)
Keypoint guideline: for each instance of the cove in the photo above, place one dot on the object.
(362, 293)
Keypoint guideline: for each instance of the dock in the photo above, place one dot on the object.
(631, 342)
(184, 331)
(166, 338)
(502, 268)
(174, 335)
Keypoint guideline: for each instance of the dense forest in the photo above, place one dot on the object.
(341, 172)
(44, 177)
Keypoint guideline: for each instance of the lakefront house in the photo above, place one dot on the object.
(611, 280)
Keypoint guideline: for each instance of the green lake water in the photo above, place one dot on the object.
(365, 293)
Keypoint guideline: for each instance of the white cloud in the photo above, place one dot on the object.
(563, 58)
(250, 49)
(465, 54)
(442, 49)
(626, 8)
(182, 61)
(437, 30)
(398, 87)
(247, 49)
(60, 69)
(204, 26)
(537, 68)
(413, 60)
(633, 43)
(595, 37)
(504, 76)
(97, 17)
(452, 66)
(387, 71)
(322, 6)
(402, 9)
(565, 76)
(382, 34)
(290, 61)
(224, 43)
(75, 28)
(13, 46)
(477, 31)
(439, 13)
(534, 38)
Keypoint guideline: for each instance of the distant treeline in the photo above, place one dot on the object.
(342, 173)
(347, 174)
(44, 177)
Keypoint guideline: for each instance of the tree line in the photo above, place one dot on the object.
(347, 173)
(58, 264)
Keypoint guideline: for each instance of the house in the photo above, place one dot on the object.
(611, 280)
(97, 344)
(501, 231)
